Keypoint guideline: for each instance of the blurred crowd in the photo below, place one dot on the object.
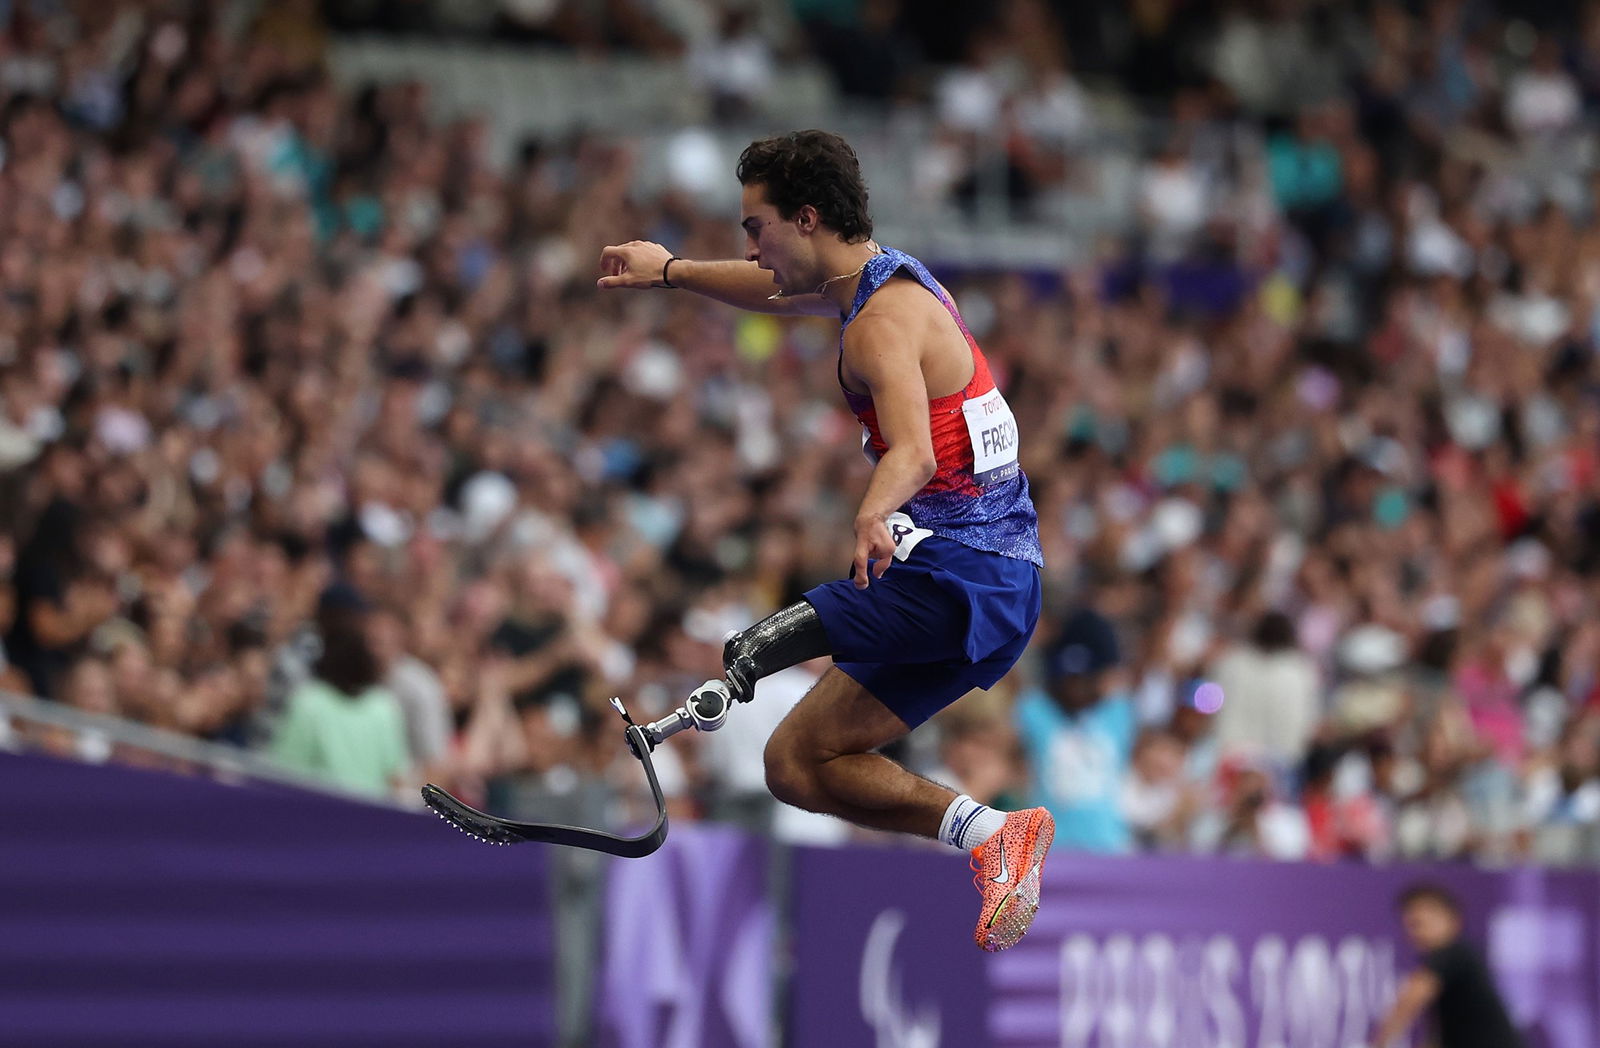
(316, 439)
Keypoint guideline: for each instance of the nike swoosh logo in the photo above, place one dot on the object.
(1004, 876)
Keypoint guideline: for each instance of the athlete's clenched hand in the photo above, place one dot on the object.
(638, 263)
(873, 543)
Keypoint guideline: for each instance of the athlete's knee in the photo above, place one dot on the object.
(791, 778)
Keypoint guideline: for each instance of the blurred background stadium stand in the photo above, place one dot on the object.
(305, 393)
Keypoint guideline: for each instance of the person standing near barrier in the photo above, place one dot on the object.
(1453, 980)
(1079, 728)
(945, 588)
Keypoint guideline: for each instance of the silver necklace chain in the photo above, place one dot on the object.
(876, 251)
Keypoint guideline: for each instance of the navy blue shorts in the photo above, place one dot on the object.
(946, 620)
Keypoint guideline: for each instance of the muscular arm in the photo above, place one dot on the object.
(1416, 993)
(878, 351)
(744, 284)
(738, 283)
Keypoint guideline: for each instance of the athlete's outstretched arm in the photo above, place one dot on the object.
(878, 351)
(639, 264)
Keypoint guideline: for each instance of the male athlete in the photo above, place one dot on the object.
(944, 593)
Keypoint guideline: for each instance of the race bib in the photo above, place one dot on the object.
(993, 429)
(906, 534)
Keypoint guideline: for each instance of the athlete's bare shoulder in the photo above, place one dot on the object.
(897, 312)
(902, 302)
(879, 332)
(906, 319)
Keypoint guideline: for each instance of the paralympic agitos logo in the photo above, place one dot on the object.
(883, 1003)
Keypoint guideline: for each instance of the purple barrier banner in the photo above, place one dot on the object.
(688, 945)
(1167, 953)
(142, 909)
(883, 951)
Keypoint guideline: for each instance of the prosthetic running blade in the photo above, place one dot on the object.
(642, 739)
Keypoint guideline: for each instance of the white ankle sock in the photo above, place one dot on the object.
(967, 824)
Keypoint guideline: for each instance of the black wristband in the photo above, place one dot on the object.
(666, 266)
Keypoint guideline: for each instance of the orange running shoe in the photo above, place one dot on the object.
(1007, 868)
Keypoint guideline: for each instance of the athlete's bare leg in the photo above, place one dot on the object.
(820, 758)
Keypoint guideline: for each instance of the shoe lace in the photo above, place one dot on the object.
(977, 871)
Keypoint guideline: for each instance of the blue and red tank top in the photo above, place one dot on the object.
(978, 495)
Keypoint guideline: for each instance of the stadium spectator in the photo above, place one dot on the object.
(1156, 799)
(1343, 817)
(1271, 695)
(415, 686)
(977, 758)
(11, 678)
(1252, 819)
(1079, 733)
(86, 686)
(1563, 798)
(342, 725)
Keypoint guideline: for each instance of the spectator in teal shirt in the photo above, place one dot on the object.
(1079, 738)
(1304, 166)
(342, 725)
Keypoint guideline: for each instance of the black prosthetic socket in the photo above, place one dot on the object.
(785, 638)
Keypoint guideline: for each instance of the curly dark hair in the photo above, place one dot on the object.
(811, 167)
(1426, 891)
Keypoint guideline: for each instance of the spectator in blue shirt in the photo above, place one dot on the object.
(1079, 736)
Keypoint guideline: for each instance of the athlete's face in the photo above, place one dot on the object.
(1430, 925)
(779, 245)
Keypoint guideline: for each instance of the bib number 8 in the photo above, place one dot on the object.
(905, 533)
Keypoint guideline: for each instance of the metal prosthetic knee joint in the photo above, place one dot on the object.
(709, 704)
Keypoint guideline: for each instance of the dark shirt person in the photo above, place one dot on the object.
(1452, 978)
